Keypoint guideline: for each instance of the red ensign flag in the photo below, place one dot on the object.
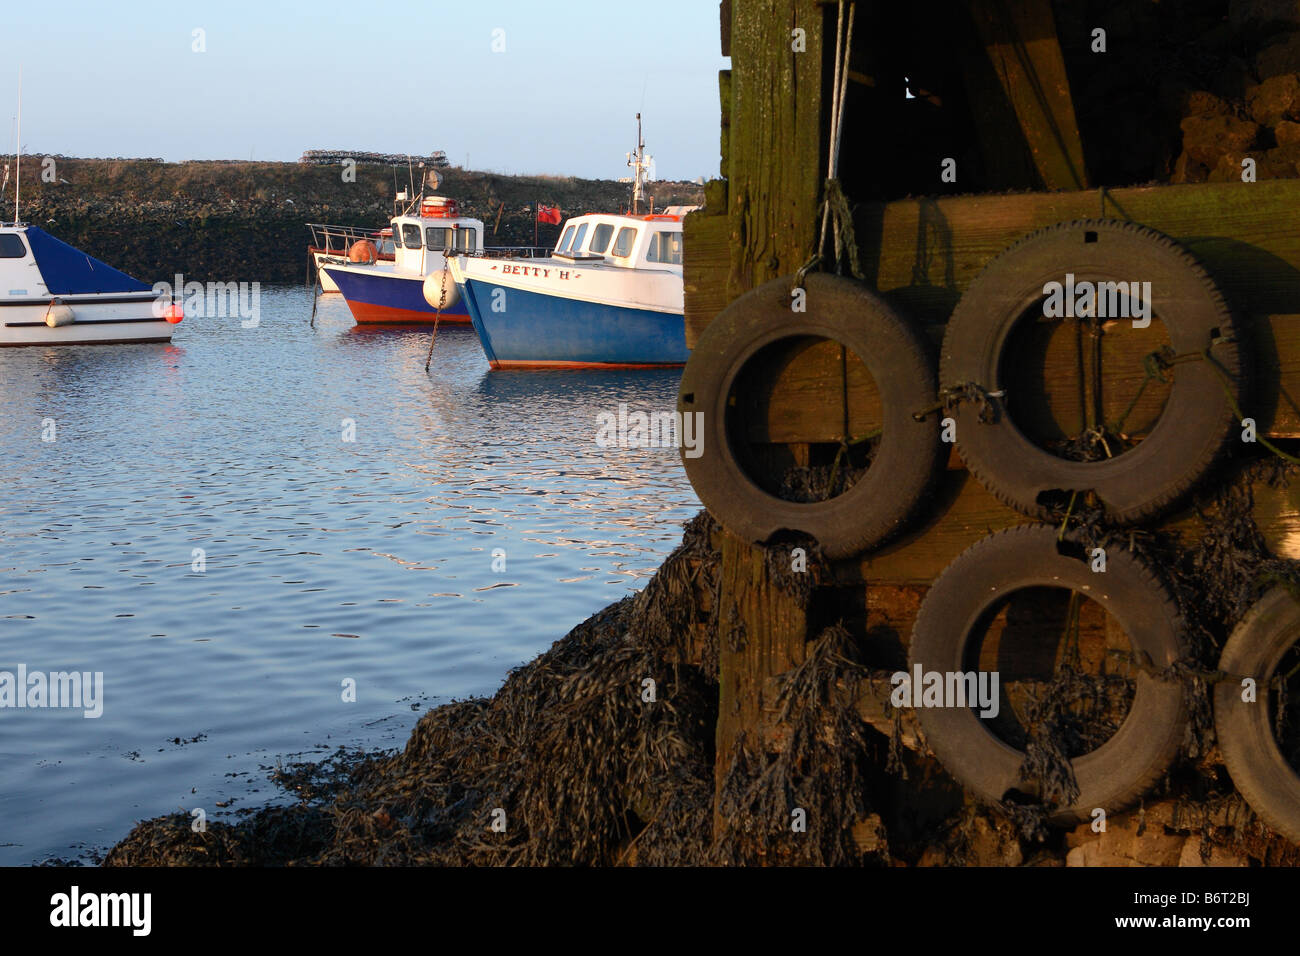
(549, 214)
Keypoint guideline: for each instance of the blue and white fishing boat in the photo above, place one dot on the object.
(53, 294)
(410, 289)
(610, 293)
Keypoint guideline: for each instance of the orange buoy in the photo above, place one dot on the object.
(174, 313)
(363, 250)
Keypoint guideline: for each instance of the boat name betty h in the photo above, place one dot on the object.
(53, 294)
(509, 269)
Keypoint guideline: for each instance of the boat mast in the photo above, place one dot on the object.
(638, 165)
(18, 148)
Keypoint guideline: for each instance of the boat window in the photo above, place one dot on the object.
(665, 247)
(577, 239)
(600, 237)
(411, 235)
(11, 246)
(625, 241)
(564, 241)
(437, 237)
(397, 235)
(465, 239)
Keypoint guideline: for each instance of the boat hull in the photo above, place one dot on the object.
(96, 323)
(322, 259)
(381, 297)
(542, 330)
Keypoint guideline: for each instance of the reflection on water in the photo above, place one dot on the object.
(201, 532)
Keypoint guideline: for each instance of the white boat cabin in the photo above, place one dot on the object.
(421, 241)
(626, 242)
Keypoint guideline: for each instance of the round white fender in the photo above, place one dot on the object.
(440, 289)
(59, 314)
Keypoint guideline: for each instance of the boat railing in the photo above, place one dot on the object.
(501, 252)
(338, 239)
(515, 252)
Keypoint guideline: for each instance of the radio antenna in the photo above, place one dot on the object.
(18, 149)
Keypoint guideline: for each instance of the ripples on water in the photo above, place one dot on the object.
(324, 559)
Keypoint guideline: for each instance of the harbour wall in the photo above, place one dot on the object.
(246, 221)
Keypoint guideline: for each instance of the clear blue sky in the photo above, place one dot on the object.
(121, 79)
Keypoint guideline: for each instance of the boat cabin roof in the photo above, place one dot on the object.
(416, 232)
(624, 241)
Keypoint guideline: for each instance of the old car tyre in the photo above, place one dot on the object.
(907, 460)
(1197, 422)
(1245, 728)
(1125, 766)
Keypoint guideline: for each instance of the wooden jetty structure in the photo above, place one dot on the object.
(952, 131)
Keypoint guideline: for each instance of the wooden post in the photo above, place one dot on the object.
(773, 160)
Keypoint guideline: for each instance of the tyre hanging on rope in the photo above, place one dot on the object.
(1258, 767)
(960, 603)
(744, 343)
(1115, 258)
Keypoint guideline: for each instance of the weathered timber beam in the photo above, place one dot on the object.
(925, 252)
(705, 265)
(805, 401)
(962, 512)
(1019, 38)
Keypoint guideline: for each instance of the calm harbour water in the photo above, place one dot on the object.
(325, 559)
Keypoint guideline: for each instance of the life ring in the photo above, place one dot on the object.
(907, 459)
(1250, 750)
(1197, 421)
(1125, 766)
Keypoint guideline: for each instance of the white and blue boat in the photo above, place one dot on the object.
(410, 289)
(609, 295)
(54, 294)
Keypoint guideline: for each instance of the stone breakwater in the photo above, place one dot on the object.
(234, 221)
